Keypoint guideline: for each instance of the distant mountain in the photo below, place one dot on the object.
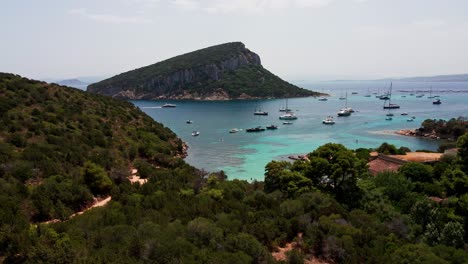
(438, 78)
(222, 72)
(72, 82)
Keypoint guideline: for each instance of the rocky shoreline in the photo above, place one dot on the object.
(416, 133)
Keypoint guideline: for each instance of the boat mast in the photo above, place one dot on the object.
(346, 103)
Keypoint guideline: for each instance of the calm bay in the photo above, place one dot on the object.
(244, 155)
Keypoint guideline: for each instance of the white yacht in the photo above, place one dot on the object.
(288, 116)
(328, 121)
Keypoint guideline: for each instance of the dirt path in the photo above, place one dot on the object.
(97, 203)
(281, 253)
(134, 178)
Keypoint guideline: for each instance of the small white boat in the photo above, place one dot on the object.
(410, 120)
(189, 121)
(388, 118)
(195, 133)
(234, 130)
(168, 105)
(328, 121)
(323, 99)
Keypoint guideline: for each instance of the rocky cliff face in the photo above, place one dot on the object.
(199, 75)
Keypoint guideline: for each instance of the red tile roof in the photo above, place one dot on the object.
(380, 165)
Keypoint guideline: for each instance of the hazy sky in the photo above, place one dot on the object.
(296, 39)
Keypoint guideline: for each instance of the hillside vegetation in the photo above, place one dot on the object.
(226, 71)
(53, 138)
(54, 160)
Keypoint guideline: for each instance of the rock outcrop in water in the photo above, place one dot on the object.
(222, 72)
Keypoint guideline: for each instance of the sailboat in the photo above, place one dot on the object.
(285, 109)
(345, 111)
(343, 98)
(368, 93)
(390, 105)
(289, 115)
(430, 94)
(260, 112)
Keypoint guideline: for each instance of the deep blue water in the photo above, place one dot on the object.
(244, 155)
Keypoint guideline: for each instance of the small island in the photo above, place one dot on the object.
(223, 72)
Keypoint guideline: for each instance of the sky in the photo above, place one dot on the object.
(298, 40)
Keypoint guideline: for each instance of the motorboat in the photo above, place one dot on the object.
(328, 121)
(354, 93)
(263, 113)
(437, 102)
(255, 129)
(195, 133)
(404, 114)
(390, 114)
(272, 127)
(410, 120)
(388, 118)
(288, 123)
(168, 105)
(234, 130)
(323, 99)
(189, 121)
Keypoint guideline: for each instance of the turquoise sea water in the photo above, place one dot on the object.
(244, 155)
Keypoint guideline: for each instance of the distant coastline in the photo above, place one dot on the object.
(437, 78)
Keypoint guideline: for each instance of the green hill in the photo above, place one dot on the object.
(59, 147)
(51, 134)
(222, 72)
